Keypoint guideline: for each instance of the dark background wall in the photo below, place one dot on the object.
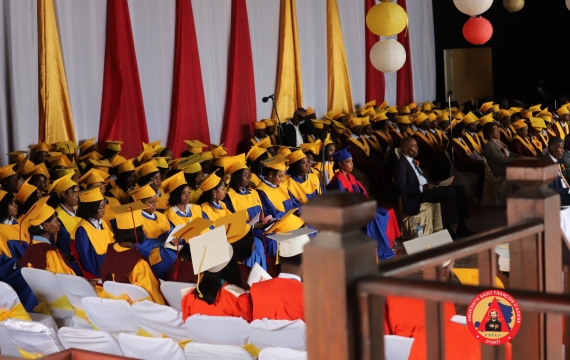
(531, 44)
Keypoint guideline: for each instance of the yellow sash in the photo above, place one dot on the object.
(507, 134)
(400, 135)
(386, 137)
(60, 303)
(70, 222)
(100, 239)
(17, 312)
(463, 146)
(27, 355)
(526, 144)
(475, 143)
(8, 233)
(427, 139)
(244, 201)
(536, 142)
(364, 146)
(551, 132)
(409, 131)
(562, 131)
(543, 139)
(375, 144)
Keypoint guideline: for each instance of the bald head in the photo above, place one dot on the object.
(409, 146)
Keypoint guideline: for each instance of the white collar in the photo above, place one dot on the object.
(459, 319)
(410, 159)
(149, 216)
(433, 131)
(422, 131)
(97, 223)
(67, 211)
(269, 184)
(186, 208)
(354, 136)
(553, 159)
(289, 276)
(297, 126)
(9, 221)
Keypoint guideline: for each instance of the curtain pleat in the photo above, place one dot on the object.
(375, 85)
(405, 91)
(240, 98)
(122, 109)
(188, 119)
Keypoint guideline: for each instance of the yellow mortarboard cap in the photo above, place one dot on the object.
(562, 111)
(194, 146)
(118, 160)
(143, 192)
(23, 167)
(18, 155)
(288, 222)
(192, 229)
(277, 162)
(126, 166)
(470, 118)
(91, 195)
(443, 117)
(7, 171)
(43, 146)
(39, 212)
(284, 151)
(259, 125)
(547, 118)
(295, 156)
(67, 147)
(383, 106)
(370, 104)
(25, 192)
(427, 106)
(486, 119)
(486, 106)
(535, 108)
(314, 147)
(60, 160)
(210, 182)
(338, 115)
(104, 163)
(381, 116)
(432, 117)
(545, 112)
(40, 169)
(114, 145)
(235, 225)
(318, 124)
(129, 216)
(2, 194)
(146, 154)
(93, 176)
(62, 184)
(537, 123)
(413, 105)
(515, 109)
(496, 108)
(420, 118)
(59, 173)
(235, 166)
(87, 144)
(147, 168)
(218, 150)
(206, 155)
(504, 113)
(193, 168)
(161, 162)
(310, 111)
(210, 252)
(526, 114)
(354, 122)
(453, 124)
(154, 144)
(392, 110)
(227, 161)
(255, 152)
(92, 155)
(272, 122)
(519, 124)
(365, 121)
(403, 119)
(174, 182)
(328, 140)
(184, 162)
(405, 110)
(471, 277)
(264, 143)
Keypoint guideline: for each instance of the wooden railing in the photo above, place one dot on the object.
(345, 288)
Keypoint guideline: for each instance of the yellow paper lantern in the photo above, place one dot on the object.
(513, 5)
(386, 19)
(388, 56)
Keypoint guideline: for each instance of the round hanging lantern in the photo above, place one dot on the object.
(568, 4)
(388, 56)
(473, 7)
(386, 0)
(386, 19)
(477, 30)
(515, 5)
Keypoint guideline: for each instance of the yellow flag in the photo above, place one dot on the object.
(56, 121)
(339, 91)
(289, 90)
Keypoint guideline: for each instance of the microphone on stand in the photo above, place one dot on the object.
(266, 98)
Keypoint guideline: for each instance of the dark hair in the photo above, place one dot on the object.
(243, 248)
(235, 181)
(88, 210)
(163, 171)
(163, 151)
(487, 129)
(296, 260)
(128, 235)
(30, 201)
(295, 168)
(109, 154)
(4, 203)
(207, 196)
(185, 153)
(256, 165)
(122, 180)
(54, 200)
(457, 129)
(35, 177)
(36, 230)
(210, 285)
(267, 170)
(555, 140)
(191, 179)
(173, 171)
(176, 195)
(146, 179)
(4, 181)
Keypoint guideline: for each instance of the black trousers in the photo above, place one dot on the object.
(453, 198)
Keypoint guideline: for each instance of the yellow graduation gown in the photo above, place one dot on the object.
(121, 195)
(176, 219)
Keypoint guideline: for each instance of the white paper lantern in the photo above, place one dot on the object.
(515, 5)
(388, 56)
(473, 7)
(568, 4)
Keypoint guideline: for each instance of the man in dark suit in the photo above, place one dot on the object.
(414, 188)
(560, 185)
(297, 128)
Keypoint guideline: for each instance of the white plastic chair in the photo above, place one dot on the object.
(220, 330)
(46, 289)
(159, 320)
(150, 348)
(278, 353)
(134, 292)
(171, 292)
(397, 347)
(92, 340)
(76, 288)
(111, 316)
(278, 333)
(9, 300)
(215, 352)
(33, 337)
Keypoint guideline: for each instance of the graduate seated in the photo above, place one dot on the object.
(9, 179)
(124, 183)
(259, 132)
(255, 158)
(214, 295)
(26, 197)
(211, 201)
(148, 173)
(180, 210)
(123, 262)
(325, 170)
(274, 195)
(302, 185)
(281, 298)
(520, 144)
(194, 175)
(41, 254)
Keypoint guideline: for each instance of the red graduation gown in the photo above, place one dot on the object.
(278, 299)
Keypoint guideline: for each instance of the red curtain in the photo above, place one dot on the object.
(188, 116)
(122, 108)
(240, 99)
(375, 86)
(405, 88)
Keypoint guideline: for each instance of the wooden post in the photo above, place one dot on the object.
(332, 261)
(536, 262)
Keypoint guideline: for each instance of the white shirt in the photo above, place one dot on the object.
(353, 136)
(97, 223)
(70, 213)
(298, 136)
(289, 276)
(423, 181)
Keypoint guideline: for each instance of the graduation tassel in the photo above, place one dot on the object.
(200, 274)
(277, 255)
(21, 222)
(135, 229)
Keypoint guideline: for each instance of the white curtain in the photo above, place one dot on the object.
(422, 48)
(153, 23)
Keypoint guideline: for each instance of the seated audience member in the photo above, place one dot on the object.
(400, 131)
(281, 298)
(520, 144)
(404, 315)
(212, 199)
(463, 158)
(259, 128)
(124, 183)
(41, 254)
(505, 126)
(302, 184)
(96, 179)
(274, 195)
(214, 295)
(414, 189)
(560, 185)
(565, 161)
(194, 176)
(297, 129)
(123, 263)
(9, 179)
(326, 171)
(343, 180)
(497, 154)
(180, 211)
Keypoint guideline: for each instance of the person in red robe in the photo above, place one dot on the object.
(520, 144)
(404, 315)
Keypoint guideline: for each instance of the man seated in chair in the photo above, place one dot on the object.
(560, 185)
(414, 189)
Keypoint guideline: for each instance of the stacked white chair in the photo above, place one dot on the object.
(150, 348)
(397, 347)
(9, 300)
(277, 353)
(215, 352)
(134, 292)
(32, 337)
(278, 333)
(111, 316)
(76, 288)
(46, 289)
(159, 320)
(92, 340)
(171, 292)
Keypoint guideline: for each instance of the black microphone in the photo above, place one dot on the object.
(266, 98)
(449, 93)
